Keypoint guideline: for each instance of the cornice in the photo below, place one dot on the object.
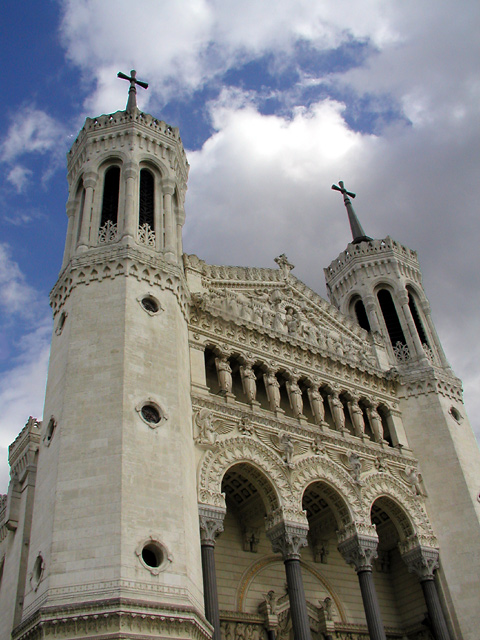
(121, 260)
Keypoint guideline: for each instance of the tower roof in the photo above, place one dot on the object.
(357, 230)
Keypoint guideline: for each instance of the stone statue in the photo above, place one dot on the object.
(414, 479)
(206, 431)
(271, 600)
(273, 390)
(358, 420)
(248, 381)
(224, 371)
(326, 606)
(288, 448)
(338, 413)
(355, 466)
(295, 396)
(376, 424)
(316, 403)
(291, 321)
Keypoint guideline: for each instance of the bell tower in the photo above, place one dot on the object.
(378, 283)
(115, 548)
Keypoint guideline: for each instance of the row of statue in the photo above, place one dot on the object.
(296, 399)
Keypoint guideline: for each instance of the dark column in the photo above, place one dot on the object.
(288, 538)
(270, 634)
(361, 551)
(211, 524)
(423, 561)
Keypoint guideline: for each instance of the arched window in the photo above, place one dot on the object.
(147, 198)
(110, 196)
(80, 213)
(361, 314)
(416, 319)
(390, 316)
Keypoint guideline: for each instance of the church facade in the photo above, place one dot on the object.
(223, 452)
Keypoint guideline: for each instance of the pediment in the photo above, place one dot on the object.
(280, 304)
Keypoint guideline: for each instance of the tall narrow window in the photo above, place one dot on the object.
(80, 214)
(390, 316)
(108, 220)
(416, 319)
(146, 225)
(361, 314)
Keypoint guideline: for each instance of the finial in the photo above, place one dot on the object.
(284, 265)
(132, 92)
(357, 230)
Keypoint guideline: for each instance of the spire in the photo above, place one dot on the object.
(132, 92)
(357, 230)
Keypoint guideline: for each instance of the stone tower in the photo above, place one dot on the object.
(115, 525)
(379, 284)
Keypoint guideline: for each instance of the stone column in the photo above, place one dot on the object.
(168, 187)
(211, 525)
(130, 215)
(433, 332)
(89, 182)
(288, 538)
(412, 329)
(423, 561)
(371, 306)
(360, 550)
(71, 208)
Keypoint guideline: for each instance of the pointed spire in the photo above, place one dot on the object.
(357, 230)
(132, 92)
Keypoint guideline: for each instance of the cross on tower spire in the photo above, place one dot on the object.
(132, 92)
(357, 230)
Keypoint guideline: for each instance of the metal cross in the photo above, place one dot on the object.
(132, 92)
(342, 189)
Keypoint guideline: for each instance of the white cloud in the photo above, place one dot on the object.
(31, 131)
(17, 297)
(22, 391)
(19, 177)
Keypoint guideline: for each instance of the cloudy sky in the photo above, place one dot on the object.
(275, 100)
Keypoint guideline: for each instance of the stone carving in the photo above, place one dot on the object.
(355, 467)
(338, 414)
(205, 431)
(320, 550)
(146, 235)
(414, 479)
(326, 607)
(284, 265)
(288, 538)
(251, 538)
(285, 445)
(318, 447)
(224, 371)
(271, 602)
(376, 424)
(423, 561)
(211, 523)
(273, 390)
(356, 415)
(246, 427)
(295, 397)
(248, 382)
(316, 404)
(359, 550)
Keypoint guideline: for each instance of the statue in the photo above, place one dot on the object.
(376, 424)
(355, 466)
(326, 607)
(271, 601)
(316, 403)
(273, 390)
(248, 381)
(224, 371)
(295, 396)
(414, 478)
(206, 431)
(291, 321)
(288, 448)
(358, 420)
(338, 413)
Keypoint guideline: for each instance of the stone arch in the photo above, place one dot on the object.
(257, 566)
(408, 512)
(271, 478)
(146, 161)
(343, 494)
(397, 515)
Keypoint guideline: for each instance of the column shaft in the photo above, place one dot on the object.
(270, 634)
(86, 218)
(371, 606)
(170, 244)
(434, 608)
(298, 604)
(210, 593)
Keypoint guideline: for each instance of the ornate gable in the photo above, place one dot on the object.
(275, 302)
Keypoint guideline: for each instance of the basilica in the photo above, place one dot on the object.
(224, 454)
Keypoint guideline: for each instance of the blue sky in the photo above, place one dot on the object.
(275, 100)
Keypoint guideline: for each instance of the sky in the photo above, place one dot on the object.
(275, 101)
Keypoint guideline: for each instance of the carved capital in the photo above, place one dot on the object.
(211, 524)
(288, 538)
(359, 549)
(421, 560)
